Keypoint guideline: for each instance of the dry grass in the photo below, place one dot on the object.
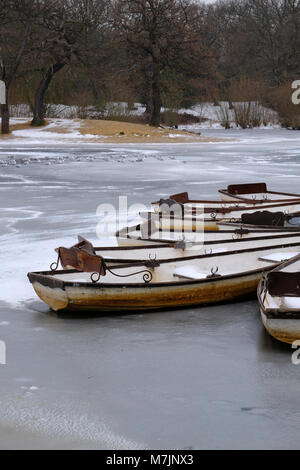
(113, 131)
(116, 132)
(15, 127)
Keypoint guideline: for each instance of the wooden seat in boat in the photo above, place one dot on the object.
(282, 284)
(275, 219)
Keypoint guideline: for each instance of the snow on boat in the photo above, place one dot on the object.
(149, 254)
(183, 250)
(171, 283)
(279, 300)
(233, 204)
(146, 234)
(258, 192)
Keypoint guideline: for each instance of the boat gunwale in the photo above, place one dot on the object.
(239, 197)
(51, 274)
(124, 233)
(45, 275)
(259, 205)
(205, 242)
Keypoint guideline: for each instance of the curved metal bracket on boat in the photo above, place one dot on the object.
(213, 215)
(147, 277)
(213, 273)
(55, 264)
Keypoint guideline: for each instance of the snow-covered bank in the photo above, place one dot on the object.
(83, 131)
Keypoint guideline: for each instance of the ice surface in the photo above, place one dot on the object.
(126, 381)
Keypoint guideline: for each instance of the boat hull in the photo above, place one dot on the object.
(101, 298)
(286, 330)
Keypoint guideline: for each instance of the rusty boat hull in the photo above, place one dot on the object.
(175, 283)
(105, 298)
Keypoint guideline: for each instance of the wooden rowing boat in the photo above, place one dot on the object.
(192, 222)
(142, 234)
(233, 204)
(259, 192)
(170, 283)
(279, 300)
(151, 253)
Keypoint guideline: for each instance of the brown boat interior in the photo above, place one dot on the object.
(281, 283)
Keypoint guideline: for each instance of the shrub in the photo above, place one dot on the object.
(288, 112)
(250, 114)
(224, 115)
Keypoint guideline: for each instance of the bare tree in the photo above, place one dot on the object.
(157, 33)
(69, 33)
(15, 28)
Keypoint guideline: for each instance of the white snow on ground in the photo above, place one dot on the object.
(210, 114)
(47, 136)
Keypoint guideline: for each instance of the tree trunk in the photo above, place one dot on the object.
(149, 105)
(5, 114)
(156, 104)
(39, 110)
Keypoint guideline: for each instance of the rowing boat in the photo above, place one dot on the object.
(149, 254)
(143, 234)
(234, 200)
(259, 192)
(279, 300)
(199, 222)
(200, 279)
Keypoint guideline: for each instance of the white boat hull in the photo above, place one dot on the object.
(286, 331)
(175, 283)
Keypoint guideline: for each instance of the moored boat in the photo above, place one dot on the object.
(171, 283)
(199, 222)
(259, 192)
(149, 254)
(146, 234)
(279, 301)
(234, 202)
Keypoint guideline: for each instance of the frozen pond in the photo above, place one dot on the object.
(207, 377)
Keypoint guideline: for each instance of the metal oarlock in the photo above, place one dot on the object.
(214, 273)
(152, 263)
